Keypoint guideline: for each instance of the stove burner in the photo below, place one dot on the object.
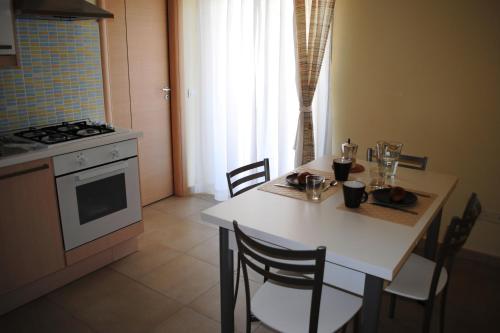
(53, 138)
(34, 133)
(68, 127)
(64, 132)
(88, 132)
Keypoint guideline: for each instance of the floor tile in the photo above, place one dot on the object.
(41, 316)
(110, 302)
(146, 259)
(157, 220)
(196, 217)
(207, 197)
(207, 251)
(181, 236)
(187, 321)
(182, 206)
(183, 279)
(208, 304)
(264, 329)
(83, 292)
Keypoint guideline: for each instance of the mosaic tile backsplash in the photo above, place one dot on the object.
(60, 77)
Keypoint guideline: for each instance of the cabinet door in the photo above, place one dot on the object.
(30, 234)
(7, 45)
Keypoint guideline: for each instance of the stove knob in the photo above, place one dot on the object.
(115, 153)
(81, 159)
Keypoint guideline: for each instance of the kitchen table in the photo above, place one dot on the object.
(362, 251)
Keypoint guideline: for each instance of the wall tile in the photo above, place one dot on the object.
(60, 76)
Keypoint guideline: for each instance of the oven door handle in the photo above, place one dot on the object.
(102, 171)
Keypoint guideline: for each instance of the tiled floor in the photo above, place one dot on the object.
(172, 285)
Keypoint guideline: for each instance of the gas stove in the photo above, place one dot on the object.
(64, 132)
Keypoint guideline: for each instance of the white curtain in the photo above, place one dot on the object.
(241, 103)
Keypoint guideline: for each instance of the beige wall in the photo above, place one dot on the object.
(426, 73)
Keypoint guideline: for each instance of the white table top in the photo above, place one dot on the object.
(356, 241)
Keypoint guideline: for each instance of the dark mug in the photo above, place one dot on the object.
(354, 193)
(341, 167)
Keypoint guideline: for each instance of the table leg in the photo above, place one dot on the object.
(431, 243)
(226, 283)
(371, 303)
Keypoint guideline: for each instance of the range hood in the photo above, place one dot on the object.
(59, 10)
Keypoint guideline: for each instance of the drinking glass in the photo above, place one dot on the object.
(314, 186)
(377, 175)
(388, 156)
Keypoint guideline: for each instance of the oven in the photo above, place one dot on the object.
(98, 191)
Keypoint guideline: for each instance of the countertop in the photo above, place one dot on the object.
(45, 151)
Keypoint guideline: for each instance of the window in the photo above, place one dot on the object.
(241, 101)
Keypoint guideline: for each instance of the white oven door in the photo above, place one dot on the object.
(98, 201)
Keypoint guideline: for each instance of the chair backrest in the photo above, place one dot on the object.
(243, 180)
(291, 265)
(456, 235)
(412, 162)
(460, 229)
(405, 161)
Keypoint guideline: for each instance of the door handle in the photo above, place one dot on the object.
(23, 172)
(167, 93)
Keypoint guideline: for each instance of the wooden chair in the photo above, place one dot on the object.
(243, 180)
(293, 298)
(423, 280)
(405, 161)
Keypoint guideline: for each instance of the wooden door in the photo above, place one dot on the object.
(31, 243)
(135, 60)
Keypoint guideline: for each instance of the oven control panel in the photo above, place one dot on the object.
(88, 158)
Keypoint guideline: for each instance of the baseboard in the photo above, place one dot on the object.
(103, 243)
(468, 254)
(479, 257)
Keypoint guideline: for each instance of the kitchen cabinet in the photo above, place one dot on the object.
(7, 35)
(31, 245)
(135, 67)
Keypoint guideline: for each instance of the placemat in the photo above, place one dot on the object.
(393, 215)
(297, 194)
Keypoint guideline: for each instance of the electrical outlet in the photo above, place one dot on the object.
(490, 216)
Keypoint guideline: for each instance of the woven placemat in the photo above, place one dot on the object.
(393, 215)
(295, 193)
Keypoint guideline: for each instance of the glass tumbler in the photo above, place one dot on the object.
(377, 175)
(388, 156)
(314, 186)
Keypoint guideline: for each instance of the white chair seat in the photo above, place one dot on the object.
(415, 277)
(287, 309)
